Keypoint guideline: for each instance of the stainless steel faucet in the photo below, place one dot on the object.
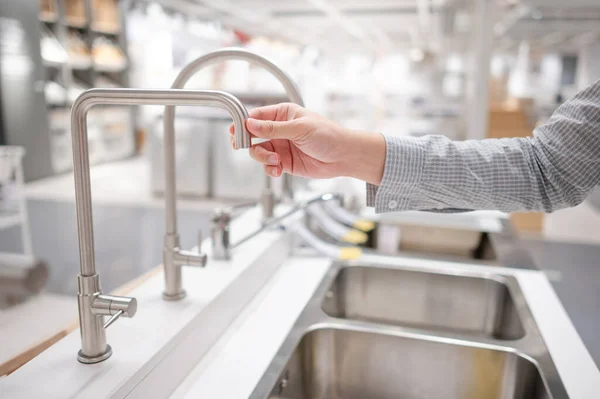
(93, 305)
(267, 199)
(221, 221)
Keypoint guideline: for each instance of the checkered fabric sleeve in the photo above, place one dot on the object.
(556, 168)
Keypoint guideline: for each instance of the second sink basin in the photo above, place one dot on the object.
(425, 300)
(353, 364)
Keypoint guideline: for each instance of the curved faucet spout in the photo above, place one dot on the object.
(129, 97)
(240, 142)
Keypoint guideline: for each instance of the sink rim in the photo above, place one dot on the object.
(412, 334)
(530, 347)
(487, 274)
(510, 283)
(373, 330)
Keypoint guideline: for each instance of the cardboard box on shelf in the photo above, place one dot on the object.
(528, 222)
(498, 89)
(106, 17)
(438, 240)
(75, 12)
(48, 10)
(510, 119)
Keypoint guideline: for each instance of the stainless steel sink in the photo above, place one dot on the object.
(432, 301)
(495, 248)
(378, 331)
(359, 364)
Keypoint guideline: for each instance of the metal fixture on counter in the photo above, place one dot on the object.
(340, 232)
(348, 218)
(267, 199)
(221, 222)
(93, 305)
(383, 330)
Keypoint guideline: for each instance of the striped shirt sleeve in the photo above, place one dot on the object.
(556, 168)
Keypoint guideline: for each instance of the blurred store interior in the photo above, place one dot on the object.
(466, 69)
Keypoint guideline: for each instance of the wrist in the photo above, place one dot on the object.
(366, 156)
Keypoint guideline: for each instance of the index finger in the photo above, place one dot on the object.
(275, 112)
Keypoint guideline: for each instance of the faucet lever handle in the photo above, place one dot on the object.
(113, 318)
(114, 306)
(220, 225)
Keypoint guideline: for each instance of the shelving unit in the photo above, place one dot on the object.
(13, 209)
(92, 35)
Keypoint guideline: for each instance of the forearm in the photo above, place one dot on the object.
(365, 156)
(555, 169)
(435, 173)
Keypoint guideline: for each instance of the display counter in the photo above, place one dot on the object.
(219, 341)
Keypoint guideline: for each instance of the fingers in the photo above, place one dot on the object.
(268, 129)
(263, 153)
(262, 128)
(271, 160)
(269, 121)
(273, 171)
(231, 137)
(276, 112)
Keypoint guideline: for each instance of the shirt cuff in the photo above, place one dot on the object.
(404, 163)
(371, 194)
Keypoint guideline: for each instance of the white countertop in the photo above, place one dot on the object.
(165, 340)
(34, 321)
(245, 351)
(218, 341)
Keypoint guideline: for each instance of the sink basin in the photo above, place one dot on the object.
(380, 330)
(343, 363)
(435, 242)
(426, 300)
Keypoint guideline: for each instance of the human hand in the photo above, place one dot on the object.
(304, 143)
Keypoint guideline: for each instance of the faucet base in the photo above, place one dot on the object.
(94, 359)
(174, 297)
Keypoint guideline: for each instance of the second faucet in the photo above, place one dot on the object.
(173, 256)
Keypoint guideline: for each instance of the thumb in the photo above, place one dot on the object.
(272, 129)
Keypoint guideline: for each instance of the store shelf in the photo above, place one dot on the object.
(110, 68)
(52, 51)
(80, 65)
(53, 63)
(77, 24)
(91, 36)
(104, 30)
